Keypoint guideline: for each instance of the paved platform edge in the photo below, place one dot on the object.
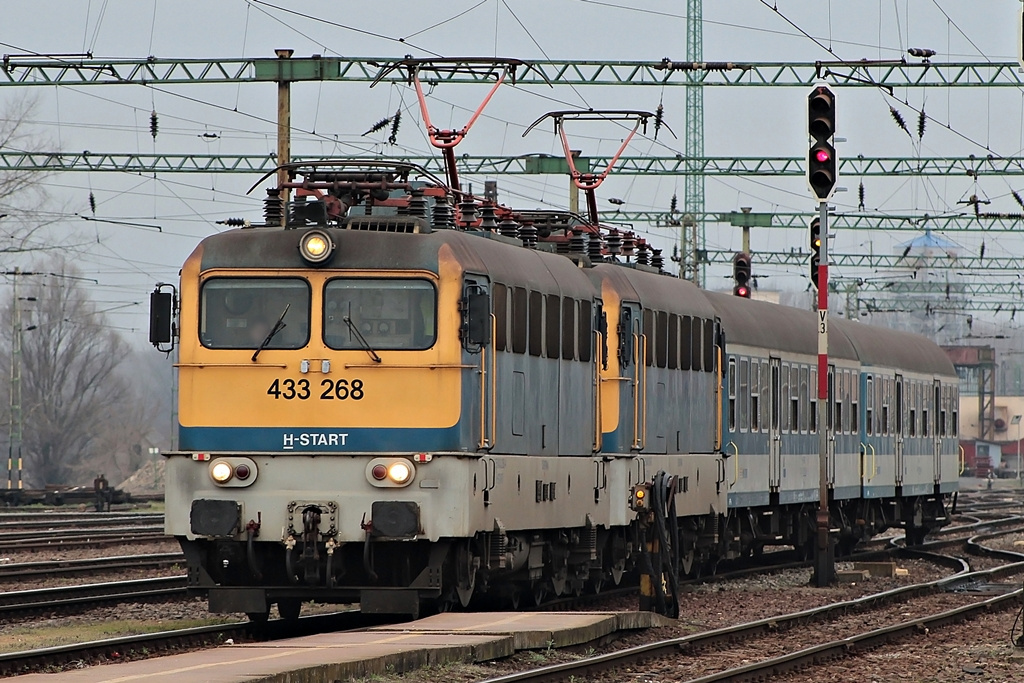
(394, 663)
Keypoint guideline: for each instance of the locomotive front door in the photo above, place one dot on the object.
(774, 430)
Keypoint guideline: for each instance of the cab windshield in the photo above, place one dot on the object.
(239, 313)
(389, 314)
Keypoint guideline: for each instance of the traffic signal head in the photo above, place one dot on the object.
(815, 249)
(639, 497)
(821, 157)
(741, 274)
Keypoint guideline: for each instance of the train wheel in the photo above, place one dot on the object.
(597, 578)
(289, 608)
(618, 569)
(446, 603)
(465, 573)
(686, 561)
(539, 591)
(258, 618)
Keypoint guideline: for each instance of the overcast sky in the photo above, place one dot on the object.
(329, 118)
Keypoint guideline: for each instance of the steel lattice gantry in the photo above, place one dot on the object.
(29, 70)
(521, 165)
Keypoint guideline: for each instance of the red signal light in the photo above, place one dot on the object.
(742, 291)
(379, 472)
(821, 155)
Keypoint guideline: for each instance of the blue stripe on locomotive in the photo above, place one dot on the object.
(320, 439)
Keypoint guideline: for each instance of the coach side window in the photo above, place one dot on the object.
(661, 333)
(695, 344)
(870, 405)
(519, 320)
(553, 325)
(942, 413)
(568, 329)
(784, 398)
(854, 402)
(585, 332)
(673, 341)
(755, 395)
(536, 323)
(743, 393)
(685, 343)
(813, 387)
(500, 294)
(709, 345)
(732, 394)
(954, 399)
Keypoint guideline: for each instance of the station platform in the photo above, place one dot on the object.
(330, 657)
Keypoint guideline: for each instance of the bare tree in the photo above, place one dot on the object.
(22, 192)
(70, 384)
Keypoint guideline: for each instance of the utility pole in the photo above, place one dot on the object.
(284, 127)
(15, 424)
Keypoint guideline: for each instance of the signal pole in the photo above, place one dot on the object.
(825, 558)
(822, 173)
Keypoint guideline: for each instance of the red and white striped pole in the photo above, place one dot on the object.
(825, 549)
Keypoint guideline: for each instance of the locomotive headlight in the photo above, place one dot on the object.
(389, 472)
(221, 472)
(316, 246)
(399, 472)
(233, 471)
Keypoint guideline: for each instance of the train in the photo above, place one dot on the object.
(395, 393)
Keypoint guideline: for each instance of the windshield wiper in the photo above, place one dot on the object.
(278, 326)
(362, 340)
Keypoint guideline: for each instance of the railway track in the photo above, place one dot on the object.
(19, 604)
(758, 652)
(60, 568)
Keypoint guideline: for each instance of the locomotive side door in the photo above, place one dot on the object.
(475, 333)
(632, 403)
(774, 430)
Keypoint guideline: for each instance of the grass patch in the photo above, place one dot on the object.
(20, 638)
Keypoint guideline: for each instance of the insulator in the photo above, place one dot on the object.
(380, 125)
(528, 234)
(1017, 197)
(595, 247)
(444, 215)
(153, 126)
(467, 213)
(614, 242)
(642, 252)
(92, 203)
(509, 228)
(562, 247)
(273, 208)
(403, 209)
(898, 118)
(489, 222)
(396, 120)
(628, 244)
(860, 196)
(578, 242)
(659, 115)
(418, 204)
(673, 205)
(234, 222)
(921, 118)
(657, 261)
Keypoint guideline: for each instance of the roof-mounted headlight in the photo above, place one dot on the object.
(316, 246)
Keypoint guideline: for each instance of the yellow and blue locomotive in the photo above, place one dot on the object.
(394, 393)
